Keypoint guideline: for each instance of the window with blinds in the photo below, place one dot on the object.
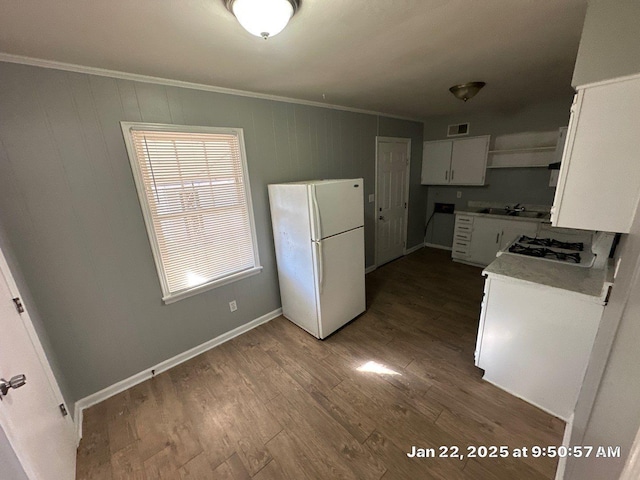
(193, 188)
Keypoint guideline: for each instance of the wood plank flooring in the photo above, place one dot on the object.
(275, 403)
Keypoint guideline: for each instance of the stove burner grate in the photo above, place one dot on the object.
(542, 252)
(550, 242)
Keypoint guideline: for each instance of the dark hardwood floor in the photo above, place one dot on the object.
(275, 403)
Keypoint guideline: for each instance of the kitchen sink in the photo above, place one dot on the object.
(530, 214)
(495, 211)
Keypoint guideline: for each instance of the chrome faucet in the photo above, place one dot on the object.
(515, 209)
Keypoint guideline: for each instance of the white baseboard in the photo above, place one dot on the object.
(435, 245)
(413, 249)
(405, 252)
(133, 380)
(562, 463)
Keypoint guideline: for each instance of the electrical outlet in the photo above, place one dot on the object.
(372, 198)
(459, 194)
(233, 306)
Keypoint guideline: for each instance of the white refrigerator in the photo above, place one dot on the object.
(318, 230)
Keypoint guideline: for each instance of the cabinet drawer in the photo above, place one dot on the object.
(460, 249)
(459, 254)
(461, 235)
(464, 220)
(463, 229)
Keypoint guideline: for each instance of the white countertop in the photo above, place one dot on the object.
(590, 282)
(475, 207)
(476, 212)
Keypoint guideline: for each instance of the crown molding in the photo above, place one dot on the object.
(134, 77)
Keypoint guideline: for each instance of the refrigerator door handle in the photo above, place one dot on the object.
(320, 262)
(316, 214)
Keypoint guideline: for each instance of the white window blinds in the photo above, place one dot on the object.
(193, 188)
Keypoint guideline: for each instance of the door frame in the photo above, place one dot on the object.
(407, 141)
(5, 271)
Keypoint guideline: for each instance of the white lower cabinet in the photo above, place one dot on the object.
(511, 230)
(477, 239)
(462, 237)
(535, 341)
(485, 241)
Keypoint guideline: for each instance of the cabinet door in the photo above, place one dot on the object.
(469, 161)
(514, 228)
(599, 183)
(436, 162)
(485, 240)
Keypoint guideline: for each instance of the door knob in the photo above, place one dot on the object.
(15, 382)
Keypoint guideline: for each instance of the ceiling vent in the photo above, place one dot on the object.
(458, 130)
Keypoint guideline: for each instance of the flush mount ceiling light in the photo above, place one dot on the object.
(466, 91)
(263, 18)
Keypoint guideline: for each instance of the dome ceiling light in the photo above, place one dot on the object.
(263, 18)
(465, 91)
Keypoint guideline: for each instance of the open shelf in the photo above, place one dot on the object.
(524, 150)
(518, 166)
(549, 148)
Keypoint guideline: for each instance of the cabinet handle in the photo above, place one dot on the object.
(453, 172)
(498, 237)
(446, 174)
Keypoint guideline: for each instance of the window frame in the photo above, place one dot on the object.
(168, 296)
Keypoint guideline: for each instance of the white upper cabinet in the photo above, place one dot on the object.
(436, 162)
(455, 162)
(599, 184)
(469, 161)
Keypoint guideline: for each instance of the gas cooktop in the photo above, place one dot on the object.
(542, 252)
(551, 242)
(551, 249)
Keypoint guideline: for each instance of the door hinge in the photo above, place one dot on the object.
(18, 304)
(63, 410)
(405, 204)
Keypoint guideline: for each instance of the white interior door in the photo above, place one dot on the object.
(392, 189)
(43, 440)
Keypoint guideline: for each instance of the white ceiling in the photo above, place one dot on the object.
(393, 56)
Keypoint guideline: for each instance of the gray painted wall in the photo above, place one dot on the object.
(69, 206)
(609, 46)
(36, 319)
(513, 185)
(9, 463)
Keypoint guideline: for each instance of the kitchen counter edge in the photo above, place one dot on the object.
(589, 283)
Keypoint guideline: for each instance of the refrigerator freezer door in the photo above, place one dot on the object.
(336, 206)
(296, 268)
(340, 279)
